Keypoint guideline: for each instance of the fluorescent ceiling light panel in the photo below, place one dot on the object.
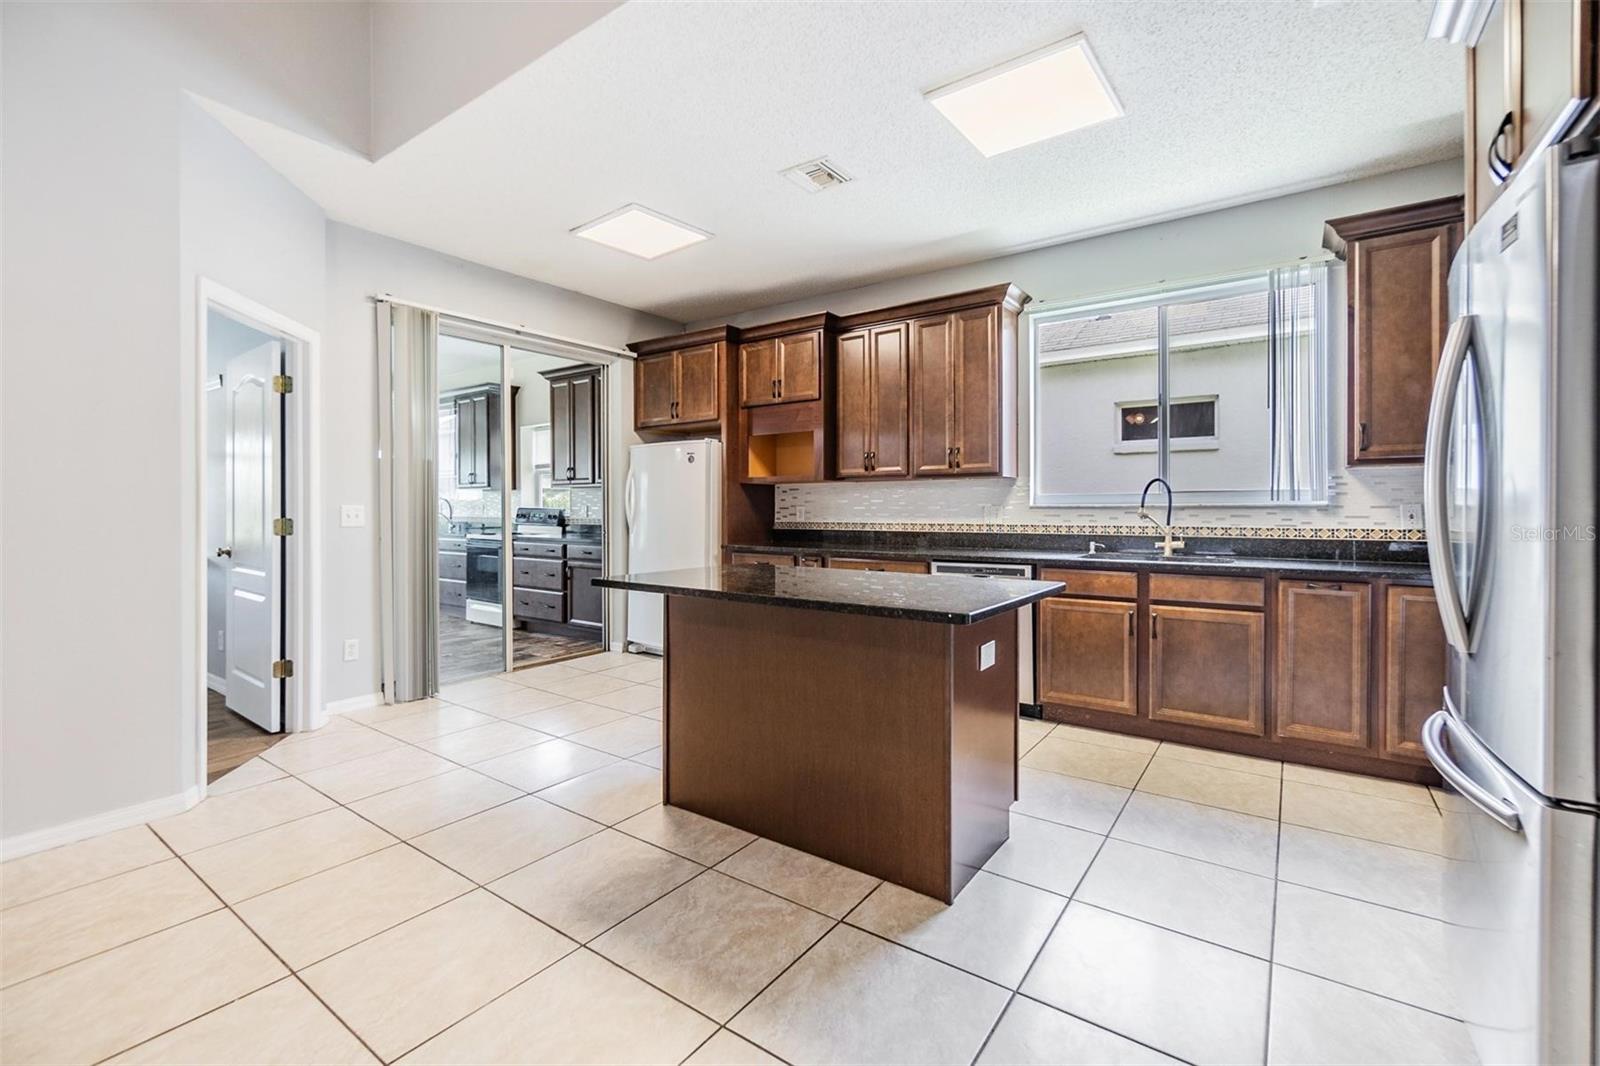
(1055, 90)
(640, 231)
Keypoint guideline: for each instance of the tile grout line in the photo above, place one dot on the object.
(1071, 897)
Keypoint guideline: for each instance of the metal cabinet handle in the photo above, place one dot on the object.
(1154, 618)
(780, 388)
(1130, 622)
(957, 452)
(772, 390)
(1332, 586)
(949, 458)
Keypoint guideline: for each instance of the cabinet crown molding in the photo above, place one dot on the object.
(1337, 233)
(714, 335)
(827, 321)
(1008, 296)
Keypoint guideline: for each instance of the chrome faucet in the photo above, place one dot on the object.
(1167, 543)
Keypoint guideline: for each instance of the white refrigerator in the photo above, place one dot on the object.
(673, 505)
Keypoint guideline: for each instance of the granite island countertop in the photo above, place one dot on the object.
(1212, 562)
(945, 598)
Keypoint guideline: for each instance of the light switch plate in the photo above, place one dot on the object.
(986, 655)
(352, 650)
(352, 514)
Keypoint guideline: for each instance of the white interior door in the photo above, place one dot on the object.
(254, 495)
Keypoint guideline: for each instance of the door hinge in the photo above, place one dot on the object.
(282, 668)
(282, 384)
(282, 527)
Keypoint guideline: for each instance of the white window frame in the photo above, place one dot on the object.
(1045, 313)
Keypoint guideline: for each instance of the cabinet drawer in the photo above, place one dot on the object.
(532, 603)
(1118, 584)
(536, 574)
(1194, 588)
(453, 566)
(892, 566)
(588, 552)
(536, 549)
(759, 559)
(452, 593)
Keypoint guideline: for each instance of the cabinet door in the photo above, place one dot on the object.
(472, 441)
(978, 407)
(889, 358)
(934, 377)
(758, 373)
(1324, 631)
(1399, 306)
(584, 416)
(853, 417)
(1087, 654)
(800, 367)
(561, 447)
(697, 383)
(1414, 658)
(585, 599)
(1206, 668)
(1492, 99)
(655, 389)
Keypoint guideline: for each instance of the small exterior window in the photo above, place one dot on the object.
(1190, 418)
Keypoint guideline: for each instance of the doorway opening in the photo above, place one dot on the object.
(520, 517)
(254, 529)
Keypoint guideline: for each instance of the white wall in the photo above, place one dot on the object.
(360, 266)
(1235, 240)
(110, 210)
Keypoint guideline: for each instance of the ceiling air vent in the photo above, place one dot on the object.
(816, 175)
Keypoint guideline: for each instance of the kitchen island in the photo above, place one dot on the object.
(867, 718)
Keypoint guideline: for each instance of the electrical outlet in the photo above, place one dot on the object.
(352, 650)
(222, 636)
(1412, 513)
(352, 514)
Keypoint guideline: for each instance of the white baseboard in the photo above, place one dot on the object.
(216, 684)
(122, 818)
(354, 703)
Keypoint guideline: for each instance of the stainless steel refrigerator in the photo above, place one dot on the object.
(1509, 499)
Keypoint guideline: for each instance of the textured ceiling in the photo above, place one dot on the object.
(693, 108)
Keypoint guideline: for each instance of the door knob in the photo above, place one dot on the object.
(224, 551)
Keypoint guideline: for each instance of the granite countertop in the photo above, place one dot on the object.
(946, 599)
(1249, 565)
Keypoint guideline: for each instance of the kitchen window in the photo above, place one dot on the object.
(1220, 388)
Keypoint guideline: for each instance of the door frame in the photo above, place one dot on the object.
(302, 705)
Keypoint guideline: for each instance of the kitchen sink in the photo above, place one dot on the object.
(1128, 554)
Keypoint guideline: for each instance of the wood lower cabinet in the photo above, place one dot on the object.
(1414, 660)
(1324, 631)
(887, 566)
(1206, 667)
(1399, 311)
(1088, 654)
(874, 367)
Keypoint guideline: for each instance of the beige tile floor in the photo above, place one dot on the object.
(489, 877)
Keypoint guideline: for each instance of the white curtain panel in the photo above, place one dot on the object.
(1297, 338)
(408, 478)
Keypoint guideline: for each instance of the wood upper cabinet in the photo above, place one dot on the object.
(1206, 668)
(958, 407)
(1530, 72)
(1324, 632)
(873, 382)
(575, 426)
(1088, 654)
(677, 381)
(785, 369)
(1399, 312)
(1414, 659)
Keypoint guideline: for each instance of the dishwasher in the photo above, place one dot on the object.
(1028, 705)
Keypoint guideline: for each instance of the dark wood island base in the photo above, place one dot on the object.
(866, 718)
(877, 743)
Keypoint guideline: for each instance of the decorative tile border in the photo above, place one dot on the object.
(1134, 530)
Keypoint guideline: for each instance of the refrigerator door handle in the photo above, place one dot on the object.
(627, 499)
(1435, 475)
(1434, 730)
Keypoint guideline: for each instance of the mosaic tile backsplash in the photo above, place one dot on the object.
(1375, 503)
